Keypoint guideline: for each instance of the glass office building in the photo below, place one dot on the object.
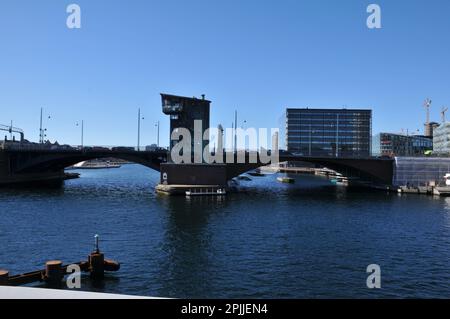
(420, 171)
(329, 132)
(441, 139)
(389, 144)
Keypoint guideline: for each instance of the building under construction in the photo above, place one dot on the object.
(429, 125)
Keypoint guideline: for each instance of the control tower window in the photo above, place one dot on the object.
(171, 106)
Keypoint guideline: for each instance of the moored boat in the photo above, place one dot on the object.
(95, 165)
(285, 179)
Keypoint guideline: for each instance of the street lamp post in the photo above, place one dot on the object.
(243, 127)
(42, 130)
(235, 130)
(157, 141)
(139, 129)
(82, 133)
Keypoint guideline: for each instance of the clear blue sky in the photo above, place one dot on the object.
(257, 56)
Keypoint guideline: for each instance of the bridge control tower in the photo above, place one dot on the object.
(184, 112)
(197, 176)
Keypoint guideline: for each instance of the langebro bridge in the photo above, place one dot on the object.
(23, 163)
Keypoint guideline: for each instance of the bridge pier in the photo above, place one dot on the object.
(195, 179)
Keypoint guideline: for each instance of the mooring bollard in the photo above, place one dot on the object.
(53, 273)
(97, 265)
(4, 277)
(97, 261)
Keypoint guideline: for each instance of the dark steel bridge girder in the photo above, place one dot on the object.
(22, 162)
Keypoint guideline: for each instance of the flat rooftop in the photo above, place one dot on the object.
(327, 109)
(179, 97)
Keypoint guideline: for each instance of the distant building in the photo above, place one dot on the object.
(389, 144)
(420, 171)
(329, 132)
(429, 128)
(441, 139)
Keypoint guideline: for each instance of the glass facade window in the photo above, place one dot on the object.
(441, 139)
(420, 171)
(329, 132)
(183, 112)
(389, 144)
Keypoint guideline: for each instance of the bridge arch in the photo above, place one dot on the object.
(48, 161)
(376, 170)
(379, 171)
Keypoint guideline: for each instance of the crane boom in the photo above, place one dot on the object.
(427, 105)
(444, 110)
(11, 129)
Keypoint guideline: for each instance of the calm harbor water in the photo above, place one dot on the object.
(271, 240)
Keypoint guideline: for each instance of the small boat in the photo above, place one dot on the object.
(71, 176)
(443, 190)
(95, 165)
(345, 181)
(287, 180)
(111, 265)
(272, 169)
(340, 181)
(256, 174)
(447, 179)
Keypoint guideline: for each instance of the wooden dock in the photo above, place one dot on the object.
(425, 190)
(192, 189)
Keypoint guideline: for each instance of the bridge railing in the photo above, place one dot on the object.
(28, 146)
(17, 146)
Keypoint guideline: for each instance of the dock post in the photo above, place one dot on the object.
(97, 261)
(97, 265)
(53, 273)
(4, 277)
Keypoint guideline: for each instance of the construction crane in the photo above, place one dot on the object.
(428, 130)
(427, 105)
(444, 110)
(11, 129)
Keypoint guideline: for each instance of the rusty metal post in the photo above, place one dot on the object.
(97, 265)
(4, 277)
(53, 273)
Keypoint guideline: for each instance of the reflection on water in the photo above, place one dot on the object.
(271, 240)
